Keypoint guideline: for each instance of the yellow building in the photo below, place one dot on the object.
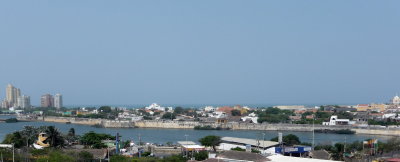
(363, 107)
(378, 107)
(371, 107)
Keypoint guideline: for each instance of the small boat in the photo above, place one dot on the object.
(67, 122)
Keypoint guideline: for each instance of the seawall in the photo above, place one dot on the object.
(373, 130)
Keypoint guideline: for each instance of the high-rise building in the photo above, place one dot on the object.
(396, 100)
(47, 100)
(24, 102)
(58, 102)
(12, 95)
(4, 104)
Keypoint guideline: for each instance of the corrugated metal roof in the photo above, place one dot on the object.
(186, 143)
(247, 141)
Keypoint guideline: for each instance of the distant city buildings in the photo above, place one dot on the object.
(12, 95)
(14, 98)
(396, 100)
(155, 106)
(47, 100)
(58, 103)
(24, 102)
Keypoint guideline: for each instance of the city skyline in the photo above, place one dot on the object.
(48, 100)
(225, 52)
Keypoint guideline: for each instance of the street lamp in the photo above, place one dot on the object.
(186, 141)
(263, 140)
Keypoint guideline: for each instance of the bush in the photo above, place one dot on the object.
(11, 120)
(85, 156)
(238, 149)
(289, 139)
(200, 156)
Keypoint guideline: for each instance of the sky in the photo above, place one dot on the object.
(202, 52)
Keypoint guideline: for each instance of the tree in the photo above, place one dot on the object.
(200, 156)
(238, 149)
(169, 115)
(210, 141)
(56, 156)
(30, 134)
(178, 110)
(105, 109)
(71, 132)
(174, 158)
(236, 113)
(274, 115)
(120, 158)
(344, 115)
(55, 137)
(93, 139)
(289, 139)
(85, 156)
(14, 138)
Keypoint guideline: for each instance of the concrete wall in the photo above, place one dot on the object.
(85, 121)
(377, 130)
(166, 124)
(117, 124)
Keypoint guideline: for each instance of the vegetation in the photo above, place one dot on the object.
(93, 139)
(56, 156)
(341, 131)
(178, 110)
(236, 113)
(383, 122)
(238, 149)
(289, 139)
(207, 127)
(11, 120)
(169, 115)
(210, 141)
(255, 151)
(200, 156)
(274, 115)
(356, 148)
(29, 134)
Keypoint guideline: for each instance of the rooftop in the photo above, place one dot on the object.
(186, 142)
(245, 156)
(247, 141)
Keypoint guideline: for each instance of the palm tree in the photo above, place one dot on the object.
(55, 137)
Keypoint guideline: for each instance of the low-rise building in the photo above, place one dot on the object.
(335, 121)
(252, 117)
(363, 107)
(290, 107)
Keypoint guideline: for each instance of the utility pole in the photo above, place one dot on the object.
(344, 147)
(13, 152)
(108, 150)
(313, 134)
(186, 145)
(263, 141)
(140, 140)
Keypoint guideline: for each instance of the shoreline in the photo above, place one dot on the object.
(105, 123)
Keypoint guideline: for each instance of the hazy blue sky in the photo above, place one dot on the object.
(202, 52)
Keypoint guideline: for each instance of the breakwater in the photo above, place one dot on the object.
(372, 130)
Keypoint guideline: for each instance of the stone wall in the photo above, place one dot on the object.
(376, 130)
(117, 124)
(85, 121)
(166, 124)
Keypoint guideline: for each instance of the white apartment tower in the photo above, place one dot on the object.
(12, 95)
(58, 102)
(24, 102)
(396, 100)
